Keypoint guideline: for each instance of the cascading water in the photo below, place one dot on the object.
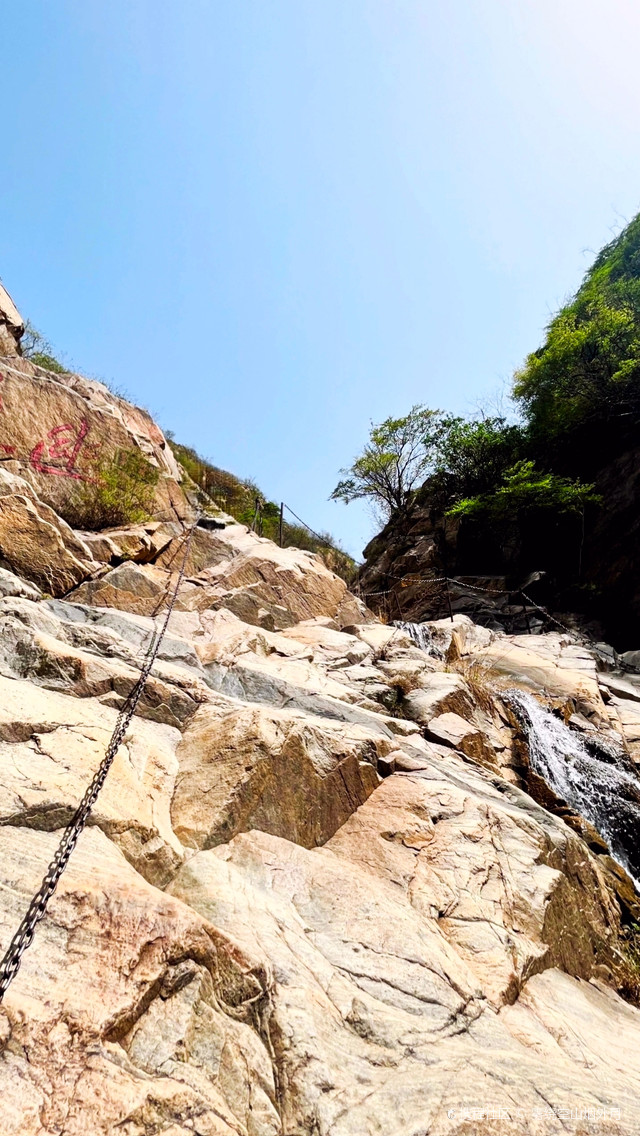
(421, 634)
(592, 776)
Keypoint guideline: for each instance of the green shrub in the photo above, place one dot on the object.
(525, 488)
(38, 350)
(48, 363)
(473, 455)
(121, 492)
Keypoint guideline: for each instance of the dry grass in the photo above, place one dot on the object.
(405, 683)
(476, 675)
(627, 973)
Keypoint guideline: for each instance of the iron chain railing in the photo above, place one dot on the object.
(36, 911)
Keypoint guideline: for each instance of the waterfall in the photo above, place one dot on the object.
(421, 635)
(592, 775)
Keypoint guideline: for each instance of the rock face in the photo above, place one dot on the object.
(11, 325)
(247, 575)
(315, 897)
(612, 548)
(36, 542)
(55, 430)
(489, 569)
(274, 770)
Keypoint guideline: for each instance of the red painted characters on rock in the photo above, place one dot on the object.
(59, 452)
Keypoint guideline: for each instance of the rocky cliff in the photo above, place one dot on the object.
(585, 575)
(551, 502)
(326, 888)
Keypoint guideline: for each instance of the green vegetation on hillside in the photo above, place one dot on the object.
(38, 350)
(579, 398)
(524, 488)
(585, 379)
(248, 504)
(121, 490)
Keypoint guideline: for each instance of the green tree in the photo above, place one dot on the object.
(399, 455)
(524, 488)
(585, 379)
(472, 456)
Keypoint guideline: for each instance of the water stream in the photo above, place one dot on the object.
(421, 634)
(592, 775)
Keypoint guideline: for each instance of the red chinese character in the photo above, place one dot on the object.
(62, 445)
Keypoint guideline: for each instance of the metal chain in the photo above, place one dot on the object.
(37, 908)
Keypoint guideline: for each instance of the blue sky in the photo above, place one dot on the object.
(271, 221)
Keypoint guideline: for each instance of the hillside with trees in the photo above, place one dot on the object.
(555, 491)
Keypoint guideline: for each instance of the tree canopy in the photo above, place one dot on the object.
(525, 488)
(397, 458)
(587, 372)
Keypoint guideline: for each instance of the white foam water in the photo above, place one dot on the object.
(421, 635)
(591, 775)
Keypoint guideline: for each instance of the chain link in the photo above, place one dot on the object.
(37, 908)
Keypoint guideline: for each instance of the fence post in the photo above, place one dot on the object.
(449, 599)
(281, 520)
(525, 613)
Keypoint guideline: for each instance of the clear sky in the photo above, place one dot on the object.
(271, 221)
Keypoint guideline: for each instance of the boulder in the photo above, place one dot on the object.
(453, 639)
(221, 636)
(12, 585)
(625, 716)
(379, 635)
(142, 543)
(439, 693)
(129, 587)
(552, 664)
(624, 686)
(295, 684)
(57, 428)
(50, 747)
(256, 767)
(382, 965)
(272, 588)
(448, 837)
(131, 1013)
(37, 544)
(292, 579)
(112, 632)
(408, 673)
(451, 730)
(35, 645)
(631, 661)
(330, 642)
(251, 605)
(208, 548)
